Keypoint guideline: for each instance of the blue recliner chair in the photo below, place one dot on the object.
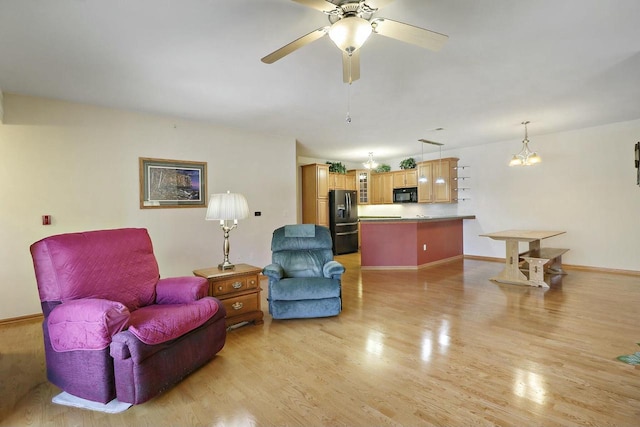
(304, 280)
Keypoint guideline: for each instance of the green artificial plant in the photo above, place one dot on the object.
(409, 163)
(337, 167)
(383, 168)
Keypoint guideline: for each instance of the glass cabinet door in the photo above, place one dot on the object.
(363, 187)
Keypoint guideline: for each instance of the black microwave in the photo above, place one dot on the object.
(405, 195)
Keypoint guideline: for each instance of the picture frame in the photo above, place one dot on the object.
(166, 183)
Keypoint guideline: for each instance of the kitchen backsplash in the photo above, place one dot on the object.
(410, 210)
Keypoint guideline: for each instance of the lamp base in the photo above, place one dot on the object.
(226, 265)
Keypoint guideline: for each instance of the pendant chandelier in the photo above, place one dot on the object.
(440, 179)
(525, 157)
(423, 178)
(370, 164)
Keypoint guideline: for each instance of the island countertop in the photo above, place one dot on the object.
(426, 218)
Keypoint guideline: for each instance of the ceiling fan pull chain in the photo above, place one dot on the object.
(348, 119)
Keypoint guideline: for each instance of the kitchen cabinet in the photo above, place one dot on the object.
(442, 192)
(315, 194)
(405, 178)
(337, 181)
(382, 188)
(425, 188)
(430, 191)
(351, 182)
(363, 186)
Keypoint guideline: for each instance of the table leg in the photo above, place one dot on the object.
(534, 245)
(511, 272)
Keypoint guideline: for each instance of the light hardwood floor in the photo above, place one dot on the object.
(439, 346)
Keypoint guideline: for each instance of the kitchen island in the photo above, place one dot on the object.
(410, 243)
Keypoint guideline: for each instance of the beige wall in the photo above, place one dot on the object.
(585, 185)
(79, 164)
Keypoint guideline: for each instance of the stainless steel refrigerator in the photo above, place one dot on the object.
(343, 221)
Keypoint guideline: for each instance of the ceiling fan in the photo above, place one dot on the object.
(351, 24)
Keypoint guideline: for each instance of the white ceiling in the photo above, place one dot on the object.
(561, 64)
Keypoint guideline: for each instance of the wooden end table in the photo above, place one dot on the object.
(239, 291)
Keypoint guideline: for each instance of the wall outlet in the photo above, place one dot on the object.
(424, 247)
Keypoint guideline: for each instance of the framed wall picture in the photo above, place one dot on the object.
(172, 183)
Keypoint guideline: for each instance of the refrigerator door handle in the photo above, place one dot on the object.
(347, 233)
(348, 195)
(342, 224)
(351, 206)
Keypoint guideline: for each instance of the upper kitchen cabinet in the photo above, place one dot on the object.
(433, 192)
(425, 187)
(405, 178)
(381, 188)
(351, 181)
(315, 194)
(337, 181)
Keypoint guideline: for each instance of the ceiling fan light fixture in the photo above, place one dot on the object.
(350, 33)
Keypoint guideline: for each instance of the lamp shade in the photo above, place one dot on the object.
(350, 33)
(227, 206)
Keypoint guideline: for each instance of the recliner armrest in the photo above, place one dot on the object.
(273, 271)
(180, 290)
(86, 324)
(333, 270)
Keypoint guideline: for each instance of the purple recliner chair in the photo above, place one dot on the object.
(112, 327)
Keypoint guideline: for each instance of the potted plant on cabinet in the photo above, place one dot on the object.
(383, 168)
(337, 167)
(409, 163)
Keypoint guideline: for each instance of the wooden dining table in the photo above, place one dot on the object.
(511, 273)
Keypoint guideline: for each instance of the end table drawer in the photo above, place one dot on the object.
(234, 285)
(242, 304)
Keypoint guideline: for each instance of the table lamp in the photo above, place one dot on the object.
(226, 207)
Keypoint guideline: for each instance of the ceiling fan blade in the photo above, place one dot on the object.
(321, 5)
(350, 67)
(378, 4)
(295, 45)
(409, 33)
